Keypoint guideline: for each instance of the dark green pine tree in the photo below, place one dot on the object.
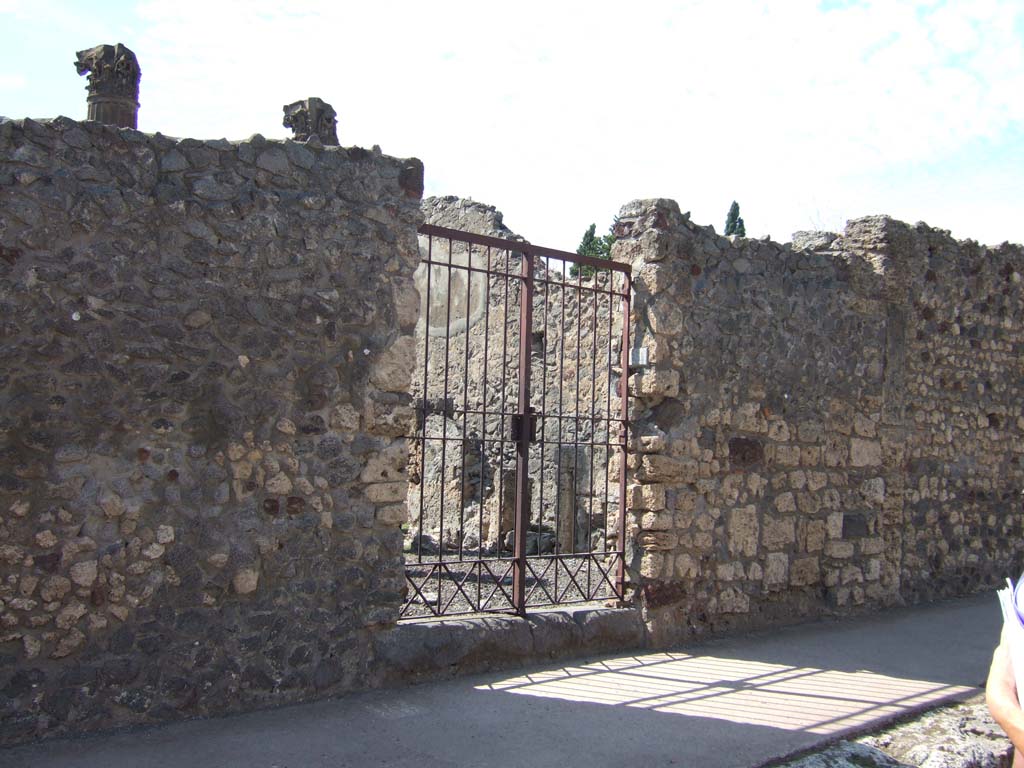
(740, 230)
(732, 219)
(593, 246)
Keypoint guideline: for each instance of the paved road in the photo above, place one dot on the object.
(731, 703)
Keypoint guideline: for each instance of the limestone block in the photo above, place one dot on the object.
(687, 567)
(11, 554)
(865, 453)
(164, 534)
(658, 468)
(804, 572)
(386, 493)
(278, 485)
(731, 571)
(153, 551)
(850, 574)
(246, 580)
(835, 525)
(811, 432)
(54, 588)
(84, 574)
(873, 569)
(787, 455)
(777, 532)
(652, 443)
(813, 535)
(652, 384)
(27, 585)
(652, 565)
(649, 496)
(733, 601)
(776, 571)
(68, 616)
(386, 466)
(68, 644)
(778, 430)
(810, 455)
(864, 426)
(816, 481)
(391, 369)
(656, 521)
(873, 491)
(393, 514)
(743, 529)
(46, 539)
(657, 541)
(785, 502)
(873, 546)
(807, 503)
(749, 417)
(841, 550)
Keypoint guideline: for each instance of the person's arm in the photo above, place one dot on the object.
(1001, 697)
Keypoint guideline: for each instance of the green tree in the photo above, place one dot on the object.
(595, 247)
(734, 222)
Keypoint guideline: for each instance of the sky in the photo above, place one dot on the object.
(806, 112)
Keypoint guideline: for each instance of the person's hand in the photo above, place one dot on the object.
(1001, 697)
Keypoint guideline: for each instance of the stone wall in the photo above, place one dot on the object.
(824, 425)
(207, 349)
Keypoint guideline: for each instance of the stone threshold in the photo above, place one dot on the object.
(422, 650)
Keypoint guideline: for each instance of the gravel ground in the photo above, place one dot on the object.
(958, 736)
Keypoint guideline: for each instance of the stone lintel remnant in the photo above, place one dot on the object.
(312, 117)
(113, 88)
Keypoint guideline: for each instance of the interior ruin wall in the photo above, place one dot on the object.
(824, 425)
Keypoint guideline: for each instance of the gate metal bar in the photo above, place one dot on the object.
(469, 437)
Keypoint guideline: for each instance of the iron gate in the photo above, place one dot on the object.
(518, 461)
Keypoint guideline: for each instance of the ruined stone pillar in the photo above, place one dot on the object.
(113, 84)
(312, 117)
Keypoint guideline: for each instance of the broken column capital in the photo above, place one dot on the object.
(113, 87)
(312, 117)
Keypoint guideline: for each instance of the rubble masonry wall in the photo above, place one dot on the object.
(825, 425)
(206, 355)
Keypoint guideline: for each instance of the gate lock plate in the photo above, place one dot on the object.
(517, 426)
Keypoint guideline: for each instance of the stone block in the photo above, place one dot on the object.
(733, 601)
(865, 453)
(804, 572)
(655, 384)
(785, 502)
(658, 468)
(776, 571)
(743, 530)
(656, 521)
(386, 493)
(840, 550)
(646, 496)
(777, 532)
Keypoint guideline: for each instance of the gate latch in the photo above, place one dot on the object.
(517, 426)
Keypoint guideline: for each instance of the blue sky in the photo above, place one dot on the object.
(808, 113)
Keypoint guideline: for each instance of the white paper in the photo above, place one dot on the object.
(1013, 634)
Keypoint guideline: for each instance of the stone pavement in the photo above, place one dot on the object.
(735, 702)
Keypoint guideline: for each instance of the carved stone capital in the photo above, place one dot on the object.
(113, 87)
(312, 117)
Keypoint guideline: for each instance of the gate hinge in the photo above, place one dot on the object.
(516, 431)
